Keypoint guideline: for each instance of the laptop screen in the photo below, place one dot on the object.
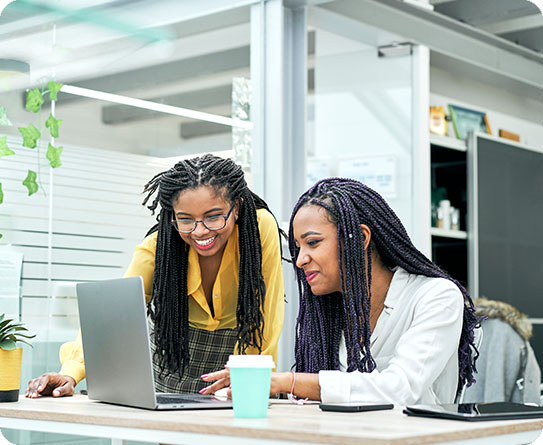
(115, 335)
(118, 362)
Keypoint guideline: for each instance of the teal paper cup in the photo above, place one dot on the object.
(250, 378)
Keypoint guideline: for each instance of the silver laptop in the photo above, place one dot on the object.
(118, 360)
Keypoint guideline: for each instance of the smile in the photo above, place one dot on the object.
(309, 276)
(205, 243)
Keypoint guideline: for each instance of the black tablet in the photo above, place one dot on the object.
(349, 407)
(477, 411)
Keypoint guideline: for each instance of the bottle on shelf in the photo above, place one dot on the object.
(438, 195)
(455, 219)
(444, 214)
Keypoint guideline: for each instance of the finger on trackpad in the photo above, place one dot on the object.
(222, 393)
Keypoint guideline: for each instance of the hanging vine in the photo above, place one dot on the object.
(31, 135)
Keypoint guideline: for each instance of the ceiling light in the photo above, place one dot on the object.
(154, 106)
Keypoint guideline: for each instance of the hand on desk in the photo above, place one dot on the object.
(50, 383)
(280, 382)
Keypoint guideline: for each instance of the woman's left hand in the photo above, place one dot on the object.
(221, 379)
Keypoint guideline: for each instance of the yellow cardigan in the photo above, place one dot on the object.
(225, 291)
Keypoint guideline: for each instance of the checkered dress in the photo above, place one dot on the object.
(209, 351)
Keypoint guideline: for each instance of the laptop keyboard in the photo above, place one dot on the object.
(184, 398)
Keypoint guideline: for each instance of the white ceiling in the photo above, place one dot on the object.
(519, 21)
(114, 36)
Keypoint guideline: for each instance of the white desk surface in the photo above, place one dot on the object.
(285, 422)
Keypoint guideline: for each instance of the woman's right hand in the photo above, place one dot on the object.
(221, 379)
(51, 383)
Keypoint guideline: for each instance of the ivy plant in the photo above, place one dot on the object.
(31, 135)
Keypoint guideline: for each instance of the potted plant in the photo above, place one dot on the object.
(11, 333)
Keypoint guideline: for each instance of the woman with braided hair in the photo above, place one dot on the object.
(378, 321)
(212, 275)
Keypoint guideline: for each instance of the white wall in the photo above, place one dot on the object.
(505, 110)
(363, 120)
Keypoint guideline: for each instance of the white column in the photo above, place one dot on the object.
(421, 150)
(279, 76)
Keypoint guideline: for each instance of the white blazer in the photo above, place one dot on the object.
(414, 344)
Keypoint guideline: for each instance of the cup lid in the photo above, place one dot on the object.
(250, 361)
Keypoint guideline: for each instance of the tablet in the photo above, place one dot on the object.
(349, 407)
(477, 411)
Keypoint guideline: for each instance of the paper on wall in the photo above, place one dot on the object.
(11, 264)
(377, 172)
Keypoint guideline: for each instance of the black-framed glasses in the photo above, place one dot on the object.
(215, 222)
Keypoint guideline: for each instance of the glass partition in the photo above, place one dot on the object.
(360, 114)
(86, 216)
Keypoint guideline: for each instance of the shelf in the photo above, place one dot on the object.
(456, 234)
(448, 142)
(448, 158)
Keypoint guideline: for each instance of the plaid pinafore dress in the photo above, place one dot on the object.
(209, 352)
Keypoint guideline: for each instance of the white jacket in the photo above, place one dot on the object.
(414, 344)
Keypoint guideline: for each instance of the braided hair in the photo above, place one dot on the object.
(349, 204)
(168, 307)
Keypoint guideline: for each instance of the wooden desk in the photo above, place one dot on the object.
(285, 423)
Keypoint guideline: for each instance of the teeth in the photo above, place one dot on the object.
(205, 242)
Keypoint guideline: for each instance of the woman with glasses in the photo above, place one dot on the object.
(378, 321)
(212, 274)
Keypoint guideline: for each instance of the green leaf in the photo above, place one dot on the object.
(8, 344)
(4, 118)
(30, 182)
(54, 88)
(18, 327)
(4, 149)
(5, 323)
(25, 342)
(53, 156)
(53, 125)
(12, 332)
(34, 100)
(20, 334)
(1, 201)
(8, 332)
(30, 135)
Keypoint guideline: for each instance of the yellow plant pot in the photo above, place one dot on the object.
(10, 374)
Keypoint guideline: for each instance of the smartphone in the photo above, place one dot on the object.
(350, 407)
